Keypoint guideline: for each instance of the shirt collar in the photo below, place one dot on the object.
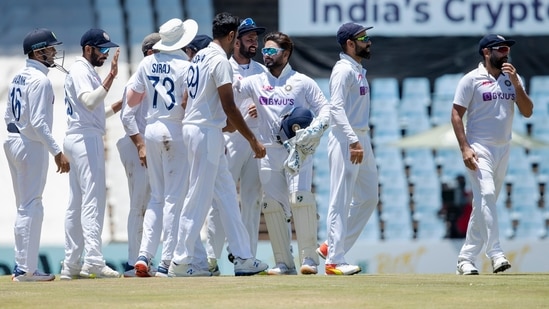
(344, 56)
(286, 71)
(177, 52)
(38, 65)
(218, 48)
(482, 69)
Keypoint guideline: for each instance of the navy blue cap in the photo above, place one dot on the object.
(298, 118)
(39, 38)
(348, 31)
(97, 38)
(248, 25)
(200, 41)
(491, 40)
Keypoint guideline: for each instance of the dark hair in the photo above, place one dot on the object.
(282, 39)
(223, 24)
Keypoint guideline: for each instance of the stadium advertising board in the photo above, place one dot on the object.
(416, 17)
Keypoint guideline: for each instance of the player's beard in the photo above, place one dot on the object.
(273, 63)
(498, 62)
(96, 60)
(362, 52)
(246, 52)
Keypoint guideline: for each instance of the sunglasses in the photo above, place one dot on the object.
(270, 51)
(103, 50)
(501, 49)
(363, 38)
(247, 22)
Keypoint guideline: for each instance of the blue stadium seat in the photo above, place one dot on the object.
(441, 110)
(371, 231)
(397, 222)
(416, 91)
(451, 162)
(539, 84)
(430, 226)
(445, 86)
(384, 93)
(413, 118)
(168, 9)
(203, 12)
(386, 128)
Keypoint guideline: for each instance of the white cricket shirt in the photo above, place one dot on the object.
(162, 77)
(349, 97)
(209, 70)
(133, 118)
(490, 104)
(276, 97)
(30, 104)
(239, 72)
(83, 78)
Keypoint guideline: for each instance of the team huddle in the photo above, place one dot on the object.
(201, 118)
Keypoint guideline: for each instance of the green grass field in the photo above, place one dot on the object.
(360, 291)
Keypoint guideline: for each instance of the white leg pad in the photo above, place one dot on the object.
(305, 216)
(277, 226)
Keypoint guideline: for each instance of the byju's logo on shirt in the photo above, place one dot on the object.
(489, 96)
(275, 101)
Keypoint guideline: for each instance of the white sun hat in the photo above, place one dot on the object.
(176, 34)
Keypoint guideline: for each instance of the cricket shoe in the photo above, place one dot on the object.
(343, 269)
(142, 266)
(248, 267)
(322, 250)
(187, 270)
(281, 269)
(308, 267)
(22, 276)
(213, 267)
(129, 271)
(69, 272)
(98, 271)
(500, 264)
(466, 267)
(162, 271)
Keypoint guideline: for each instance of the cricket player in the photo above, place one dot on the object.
(242, 164)
(135, 165)
(489, 95)
(160, 84)
(353, 171)
(84, 98)
(210, 108)
(29, 120)
(276, 93)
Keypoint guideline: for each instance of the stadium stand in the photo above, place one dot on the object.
(410, 181)
(167, 9)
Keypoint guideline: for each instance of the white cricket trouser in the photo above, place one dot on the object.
(211, 180)
(486, 183)
(87, 198)
(279, 184)
(166, 156)
(28, 163)
(353, 194)
(140, 194)
(244, 167)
